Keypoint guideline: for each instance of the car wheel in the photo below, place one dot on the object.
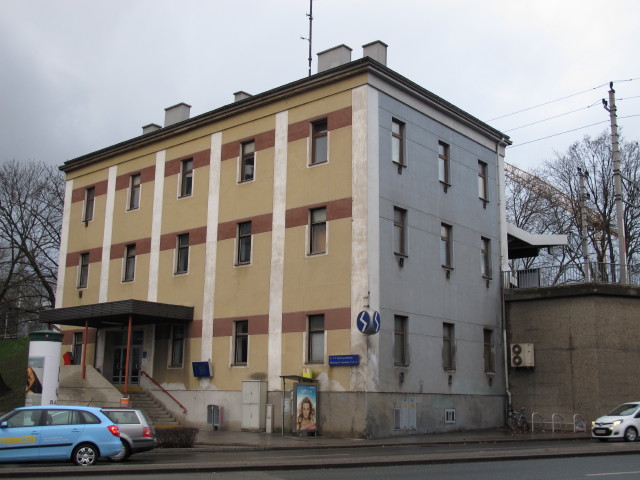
(85, 454)
(123, 454)
(630, 434)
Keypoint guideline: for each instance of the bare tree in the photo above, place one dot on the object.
(31, 206)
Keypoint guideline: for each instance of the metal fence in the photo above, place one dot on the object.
(570, 275)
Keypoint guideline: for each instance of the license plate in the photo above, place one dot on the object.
(600, 431)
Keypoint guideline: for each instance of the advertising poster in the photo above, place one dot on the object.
(306, 413)
(35, 373)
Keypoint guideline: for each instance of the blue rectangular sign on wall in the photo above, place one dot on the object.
(344, 360)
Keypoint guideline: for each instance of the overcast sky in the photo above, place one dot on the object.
(80, 75)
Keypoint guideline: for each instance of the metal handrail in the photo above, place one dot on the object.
(553, 421)
(184, 409)
(533, 418)
(570, 274)
(579, 425)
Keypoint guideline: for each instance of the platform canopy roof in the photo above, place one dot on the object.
(523, 244)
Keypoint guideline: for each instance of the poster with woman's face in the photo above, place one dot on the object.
(306, 407)
(35, 370)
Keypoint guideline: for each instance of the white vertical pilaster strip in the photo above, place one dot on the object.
(213, 206)
(365, 166)
(103, 292)
(277, 250)
(64, 247)
(156, 227)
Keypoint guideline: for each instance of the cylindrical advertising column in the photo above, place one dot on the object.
(43, 370)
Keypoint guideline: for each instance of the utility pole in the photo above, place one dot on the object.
(583, 222)
(617, 183)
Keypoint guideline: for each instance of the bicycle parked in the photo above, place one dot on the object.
(517, 420)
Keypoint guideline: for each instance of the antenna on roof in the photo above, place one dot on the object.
(310, 15)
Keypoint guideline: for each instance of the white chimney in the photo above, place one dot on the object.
(376, 50)
(176, 114)
(240, 95)
(333, 57)
(152, 127)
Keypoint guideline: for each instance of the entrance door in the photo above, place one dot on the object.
(120, 361)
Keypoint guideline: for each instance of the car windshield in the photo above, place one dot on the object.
(626, 409)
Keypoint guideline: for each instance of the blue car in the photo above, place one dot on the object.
(58, 432)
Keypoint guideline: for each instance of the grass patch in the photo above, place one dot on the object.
(14, 355)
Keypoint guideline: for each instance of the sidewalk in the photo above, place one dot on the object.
(226, 440)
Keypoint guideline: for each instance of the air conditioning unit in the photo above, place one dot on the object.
(522, 355)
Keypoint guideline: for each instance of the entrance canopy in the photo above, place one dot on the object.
(111, 314)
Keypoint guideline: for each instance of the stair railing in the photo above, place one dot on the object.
(184, 409)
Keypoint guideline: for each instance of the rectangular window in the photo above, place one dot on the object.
(317, 230)
(489, 353)
(319, 146)
(443, 163)
(134, 192)
(482, 181)
(129, 263)
(89, 201)
(186, 177)
(397, 142)
(446, 257)
(485, 257)
(77, 348)
(244, 243)
(241, 350)
(315, 339)
(177, 345)
(182, 254)
(83, 273)
(399, 231)
(399, 340)
(247, 161)
(448, 347)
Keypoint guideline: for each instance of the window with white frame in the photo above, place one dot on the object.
(315, 339)
(182, 253)
(83, 270)
(177, 345)
(243, 242)
(317, 230)
(134, 191)
(241, 342)
(129, 263)
(397, 142)
(247, 161)
(89, 202)
(319, 142)
(186, 177)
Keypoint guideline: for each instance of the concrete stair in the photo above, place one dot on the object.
(157, 413)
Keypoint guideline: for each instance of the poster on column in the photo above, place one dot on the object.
(306, 410)
(35, 372)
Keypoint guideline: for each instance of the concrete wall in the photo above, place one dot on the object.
(587, 348)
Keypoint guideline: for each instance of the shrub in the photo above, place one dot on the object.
(178, 437)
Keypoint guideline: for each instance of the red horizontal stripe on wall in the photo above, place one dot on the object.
(73, 258)
(334, 319)
(200, 159)
(258, 325)
(336, 209)
(263, 141)
(259, 224)
(143, 246)
(197, 236)
(338, 119)
(147, 174)
(78, 194)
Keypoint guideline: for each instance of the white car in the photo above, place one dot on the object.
(622, 422)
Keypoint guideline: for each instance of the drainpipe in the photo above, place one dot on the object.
(504, 261)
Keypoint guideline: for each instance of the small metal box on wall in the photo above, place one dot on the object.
(522, 355)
